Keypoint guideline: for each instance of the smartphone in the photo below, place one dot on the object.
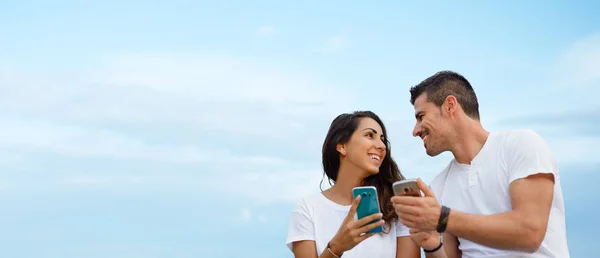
(407, 187)
(369, 204)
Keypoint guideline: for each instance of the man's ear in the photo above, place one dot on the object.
(450, 105)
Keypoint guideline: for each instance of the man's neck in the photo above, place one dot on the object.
(470, 139)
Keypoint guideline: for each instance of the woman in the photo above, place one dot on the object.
(355, 153)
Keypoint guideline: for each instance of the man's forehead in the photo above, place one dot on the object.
(421, 99)
(420, 103)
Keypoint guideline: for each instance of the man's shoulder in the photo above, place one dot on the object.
(517, 134)
(515, 138)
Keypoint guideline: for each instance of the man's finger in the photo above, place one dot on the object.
(415, 230)
(408, 217)
(406, 223)
(405, 209)
(406, 200)
(424, 188)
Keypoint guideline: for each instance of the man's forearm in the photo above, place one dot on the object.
(509, 230)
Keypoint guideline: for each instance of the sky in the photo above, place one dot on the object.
(190, 128)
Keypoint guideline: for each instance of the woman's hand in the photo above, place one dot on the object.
(352, 231)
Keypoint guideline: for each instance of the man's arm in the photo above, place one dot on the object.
(522, 229)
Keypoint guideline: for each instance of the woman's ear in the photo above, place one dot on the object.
(341, 149)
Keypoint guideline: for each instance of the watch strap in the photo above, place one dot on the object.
(443, 220)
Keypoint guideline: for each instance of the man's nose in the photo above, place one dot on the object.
(416, 130)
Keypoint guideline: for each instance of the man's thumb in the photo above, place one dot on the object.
(424, 188)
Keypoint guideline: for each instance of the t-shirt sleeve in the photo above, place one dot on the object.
(401, 229)
(528, 154)
(301, 225)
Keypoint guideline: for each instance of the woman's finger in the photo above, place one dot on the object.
(364, 236)
(364, 221)
(373, 225)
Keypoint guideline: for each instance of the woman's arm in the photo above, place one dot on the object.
(305, 249)
(308, 249)
(406, 248)
(451, 246)
(448, 250)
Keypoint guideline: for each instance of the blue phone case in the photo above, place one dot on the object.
(369, 204)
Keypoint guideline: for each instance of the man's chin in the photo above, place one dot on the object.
(432, 153)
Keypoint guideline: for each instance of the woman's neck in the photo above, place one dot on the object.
(341, 191)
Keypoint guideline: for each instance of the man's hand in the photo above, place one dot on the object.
(421, 213)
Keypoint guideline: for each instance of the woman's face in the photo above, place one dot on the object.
(366, 148)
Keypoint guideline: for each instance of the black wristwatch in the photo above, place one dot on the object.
(443, 220)
(438, 247)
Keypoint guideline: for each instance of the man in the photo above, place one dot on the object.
(499, 197)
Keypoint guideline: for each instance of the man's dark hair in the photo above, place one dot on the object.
(443, 84)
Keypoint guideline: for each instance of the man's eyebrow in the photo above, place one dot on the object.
(418, 113)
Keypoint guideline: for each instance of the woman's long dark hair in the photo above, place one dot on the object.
(340, 131)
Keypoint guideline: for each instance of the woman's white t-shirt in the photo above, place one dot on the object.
(317, 218)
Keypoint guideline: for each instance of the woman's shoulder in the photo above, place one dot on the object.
(309, 200)
(316, 202)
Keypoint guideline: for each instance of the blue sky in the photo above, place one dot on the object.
(189, 128)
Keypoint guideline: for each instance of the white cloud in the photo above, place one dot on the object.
(246, 215)
(272, 186)
(229, 100)
(263, 218)
(73, 141)
(212, 93)
(579, 65)
(575, 150)
(112, 111)
(335, 43)
(76, 141)
(265, 30)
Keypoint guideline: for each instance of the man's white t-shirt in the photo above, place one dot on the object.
(483, 188)
(317, 218)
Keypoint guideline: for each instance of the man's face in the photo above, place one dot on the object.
(432, 126)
